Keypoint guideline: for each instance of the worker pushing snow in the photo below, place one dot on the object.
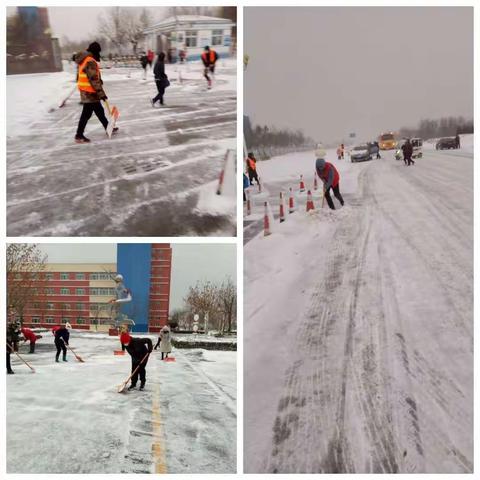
(122, 296)
(329, 176)
(90, 84)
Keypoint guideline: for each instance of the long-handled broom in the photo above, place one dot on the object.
(25, 362)
(122, 387)
(80, 359)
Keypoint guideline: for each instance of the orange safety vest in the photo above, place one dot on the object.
(251, 164)
(83, 83)
(212, 56)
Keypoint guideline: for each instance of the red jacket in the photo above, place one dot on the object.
(54, 329)
(28, 334)
(329, 175)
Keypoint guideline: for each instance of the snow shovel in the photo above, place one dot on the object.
(113, 117)
(80, 359)
(25, 362)
(122, 387)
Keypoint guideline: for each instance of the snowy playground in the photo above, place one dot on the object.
(69, 417)
(158, 176)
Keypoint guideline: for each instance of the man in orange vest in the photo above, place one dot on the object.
(90, 84)
(252, 168)
(209, 58)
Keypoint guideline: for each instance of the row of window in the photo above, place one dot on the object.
(69, 276)
(77, 291)
(191, 37)
(63, 306)
(78, 320)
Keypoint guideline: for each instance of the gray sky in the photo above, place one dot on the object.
(190, 263)
(335, 70)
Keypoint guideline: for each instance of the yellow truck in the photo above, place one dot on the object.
(386, 141)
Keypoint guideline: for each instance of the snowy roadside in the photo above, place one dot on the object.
(184, 422)
(352, 301)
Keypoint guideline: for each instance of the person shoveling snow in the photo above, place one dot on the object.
(90, 84)
(329, 176)
(139, 349)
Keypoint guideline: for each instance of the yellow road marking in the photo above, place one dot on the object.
(158, 445)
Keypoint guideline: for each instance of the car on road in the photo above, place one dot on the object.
(446, 143)
(417, 144)
(360, 153)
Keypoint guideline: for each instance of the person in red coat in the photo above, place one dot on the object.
(329, 176)
(31, 337)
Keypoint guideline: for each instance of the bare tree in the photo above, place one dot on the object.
(227, 298)
(202, 299)
(25, 277)
(113, 26)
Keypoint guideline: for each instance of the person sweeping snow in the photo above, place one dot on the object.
(139, 349)
(62, 336)
(164, 341)
(329, 176)
(90, 84)
(31, 337)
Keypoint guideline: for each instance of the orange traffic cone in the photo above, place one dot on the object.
(310, 205)
(266, 222)
(315, 182)
(302, 184)
(291, 202)
(282, 208)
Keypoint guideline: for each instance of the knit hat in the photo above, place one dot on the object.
(125, 338)
(94, 47)
(320, 151)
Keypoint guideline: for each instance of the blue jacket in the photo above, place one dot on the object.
(246, 182)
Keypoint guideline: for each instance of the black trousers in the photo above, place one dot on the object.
(32, 347)
(338, 196)
(9, 366)
(211, 69)
(408, 160)
(161, 91)
(252, 174)
(140, 372)
(88, 109)
(60, 348)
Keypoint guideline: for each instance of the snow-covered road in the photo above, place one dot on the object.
(359, 326)
(146, 181)
(69, 418)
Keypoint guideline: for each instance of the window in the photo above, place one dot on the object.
(80, 321)
(18, 276)
(66, 306)
(101, 276)
(36, 306)
(64, 291)
(65, 319)
(80, 276)
(50, 306)
(80, 291)
(49, 276)
(80, 306)
(191, 38)
(49, 291)
(217, 37)
(35, 319)
(64, 276)
(49, 320)
(180, 37)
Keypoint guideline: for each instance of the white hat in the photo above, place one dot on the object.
(320, 151)
(119, 278)
(67, 325)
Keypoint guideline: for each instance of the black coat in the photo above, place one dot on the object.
(62, 333)
(138, 348)
(407, 149)
(159, 70)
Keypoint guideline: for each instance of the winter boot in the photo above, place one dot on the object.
(81, 139)
(142, 387)
(131, 387)
(65, 358)
(56, 360)
(10, 372)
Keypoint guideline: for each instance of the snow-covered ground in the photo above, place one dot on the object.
(69, 418)
(358, 334)
(157, 176)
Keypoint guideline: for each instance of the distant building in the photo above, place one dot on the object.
(30, 45)
(79, 293)
(191, 33)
